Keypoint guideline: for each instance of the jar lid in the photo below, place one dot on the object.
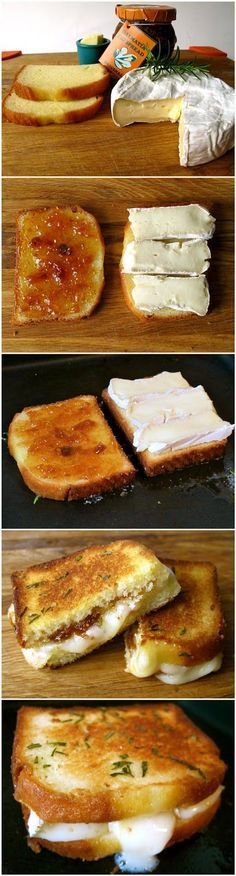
(134, 12)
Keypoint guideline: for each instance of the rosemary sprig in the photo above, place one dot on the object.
(158, 66)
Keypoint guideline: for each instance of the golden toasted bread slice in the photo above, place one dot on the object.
(59, 264)
(66, 608)
(132, 780)
(66, 450)
(61, 82)
(184, 641)
(169, 423)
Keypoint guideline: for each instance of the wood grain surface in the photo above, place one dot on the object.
(101, 674)
(98, 147)
(113, 327)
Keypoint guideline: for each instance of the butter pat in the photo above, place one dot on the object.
(155, 257)
(95, 39)
(151, 294)
(163, 223)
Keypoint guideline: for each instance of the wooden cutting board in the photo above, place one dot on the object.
(113, 327)
(97, 147)
(101, 674)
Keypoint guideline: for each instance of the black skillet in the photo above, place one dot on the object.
(198, 497)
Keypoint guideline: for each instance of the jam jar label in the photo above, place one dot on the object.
(127, 50)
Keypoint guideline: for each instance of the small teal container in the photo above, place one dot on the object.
(90, 54)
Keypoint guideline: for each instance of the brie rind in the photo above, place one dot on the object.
(205, 106)
(155, 257)
(151, 294)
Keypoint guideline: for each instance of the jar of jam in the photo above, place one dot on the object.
(155, 21)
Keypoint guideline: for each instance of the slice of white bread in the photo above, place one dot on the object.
(59, 264)
(48, 112)
(61, 82)
(200, 422)
(66, 450)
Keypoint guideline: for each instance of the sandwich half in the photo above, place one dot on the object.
(169, 423)
(182, 642)
(64, 609)
(66, 450)
(127, 781)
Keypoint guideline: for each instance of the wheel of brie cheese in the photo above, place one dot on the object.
(203, 106)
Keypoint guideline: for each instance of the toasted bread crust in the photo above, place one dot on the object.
(194, 624)
(166, 461)
(94, 89)
(47, 487)
(66, 582)
(71, 117)
(19, 317)
(169, 781)
(92, 850)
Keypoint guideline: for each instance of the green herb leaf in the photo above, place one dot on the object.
(67, 592)
(144, 766)
(183, 631)
(184, 654)
(36, 498)
(158, 66)
(34, 745)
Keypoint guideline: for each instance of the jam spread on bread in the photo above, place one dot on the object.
(57, 262)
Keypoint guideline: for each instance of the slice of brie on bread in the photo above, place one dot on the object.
(127, 781)
(180, 222)
(154, 296)
(158, 257)
(64, 609)
(182, 642)
(169, 423)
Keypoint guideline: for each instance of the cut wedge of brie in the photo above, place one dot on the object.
(204, 107)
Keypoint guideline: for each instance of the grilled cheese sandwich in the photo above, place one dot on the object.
(182, 642)
(65, 609)
(127, 781)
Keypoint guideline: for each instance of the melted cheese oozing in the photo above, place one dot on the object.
(156, 257)
(140, 839)
(143, 662)
(186, 294)
(111, 623)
